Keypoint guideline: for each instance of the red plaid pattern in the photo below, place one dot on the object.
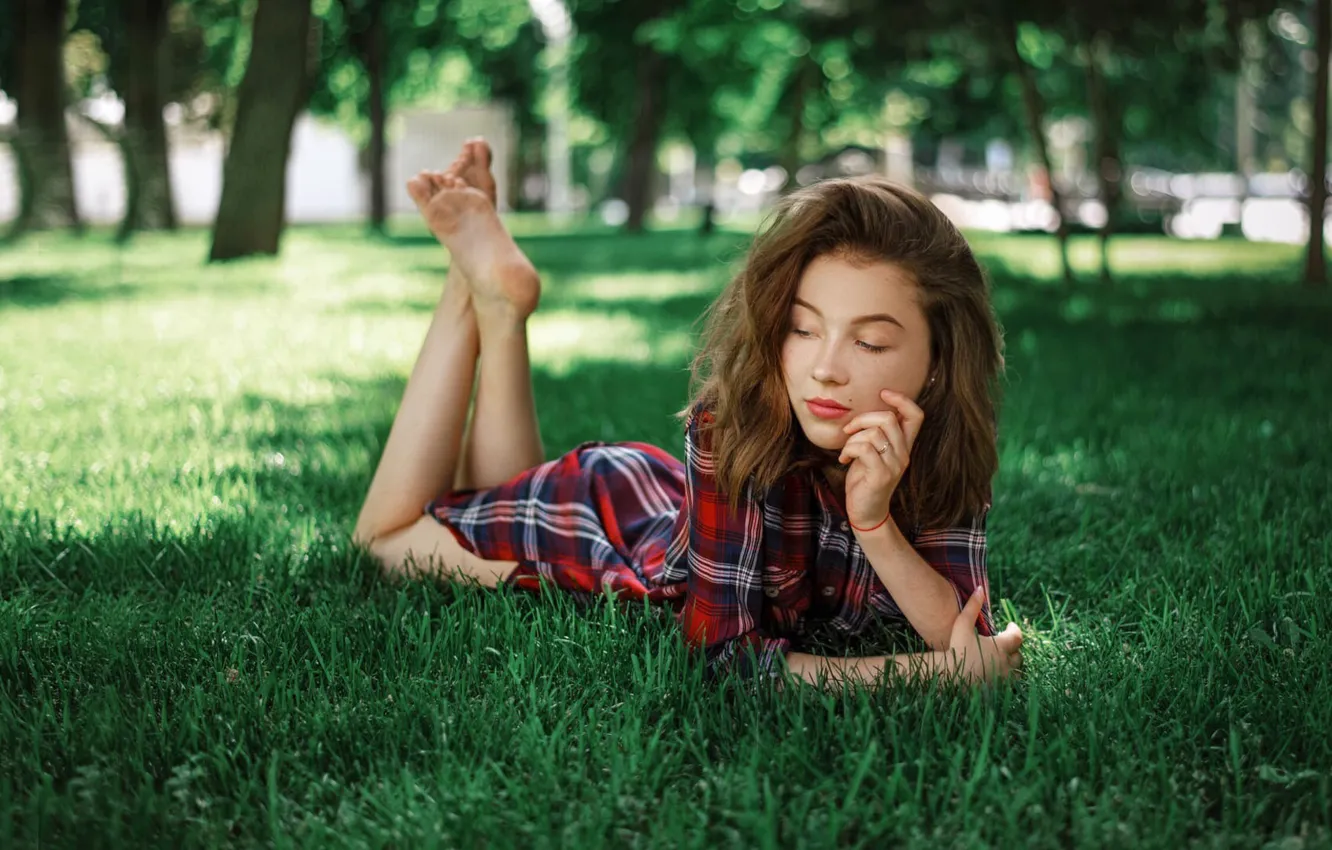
(746, 584)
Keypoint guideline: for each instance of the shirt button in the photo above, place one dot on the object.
(829, 591)
(845, 526)
(771, 591)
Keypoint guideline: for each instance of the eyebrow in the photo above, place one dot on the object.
(859, 320)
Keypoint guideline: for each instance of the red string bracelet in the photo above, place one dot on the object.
(871, 528)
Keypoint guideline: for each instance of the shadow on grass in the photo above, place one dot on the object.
(666, 311)
(599, 253)
(109, 284)
(48, 290)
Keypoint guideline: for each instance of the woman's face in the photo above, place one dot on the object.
(854, 331)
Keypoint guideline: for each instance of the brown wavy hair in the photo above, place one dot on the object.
(737, 372)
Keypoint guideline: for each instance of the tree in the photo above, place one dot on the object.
(622, 79)
(503, 42)
(251, 213)
(367, 39)
(1007, 33)
(720, 53)
(1315, 263)
(380, 53)
(34, 73)
(135, 37)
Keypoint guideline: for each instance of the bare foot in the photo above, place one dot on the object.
(498, 273)
(473, 166)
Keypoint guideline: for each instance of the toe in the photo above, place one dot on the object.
(418, 188)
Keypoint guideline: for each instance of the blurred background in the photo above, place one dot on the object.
(1196, 119)
(213, 289)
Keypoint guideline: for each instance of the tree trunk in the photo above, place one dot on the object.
(1106, 130)
(705, 183)
(250, 216)
(517, 165)
(797, 91)
(374, 70)
(147, 173)
(1315, 263)
(1034, 109)
(42, 142)
(643, 142)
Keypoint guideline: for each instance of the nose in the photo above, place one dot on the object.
(829, 368)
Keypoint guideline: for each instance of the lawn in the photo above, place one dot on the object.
(190, 652)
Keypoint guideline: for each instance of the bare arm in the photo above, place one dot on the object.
(865, 669)
(969, 657)
(927, 599)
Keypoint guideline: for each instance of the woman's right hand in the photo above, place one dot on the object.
(982, 658)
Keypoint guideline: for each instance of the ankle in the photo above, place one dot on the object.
(499, 319)
(456, 293)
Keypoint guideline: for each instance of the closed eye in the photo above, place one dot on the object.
(872, 349)
(801, 332)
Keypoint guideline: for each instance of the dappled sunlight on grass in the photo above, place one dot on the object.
(1131, 255)
(646, 288)
(183, 449)
(568, 339)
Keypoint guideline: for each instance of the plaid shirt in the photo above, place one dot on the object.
(746, 585)
(758, 575)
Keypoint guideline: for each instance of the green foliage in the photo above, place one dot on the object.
(206, 47)
(753, 79)
(480, 48)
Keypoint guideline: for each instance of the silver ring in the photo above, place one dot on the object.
(885, 448)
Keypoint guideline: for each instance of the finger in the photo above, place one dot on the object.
(1011, 635)
(859, 449)
(892, 432)
(1018, 637)
(869, 420)
(911, 415)
(856, 443)
(1008, 642)
(975, 600)
(964, 627)
(882, 464)
(871, 437)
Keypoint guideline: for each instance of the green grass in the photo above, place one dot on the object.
(190, 653)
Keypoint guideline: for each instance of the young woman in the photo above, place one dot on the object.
(838, 451)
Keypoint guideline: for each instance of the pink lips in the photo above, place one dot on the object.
(826, 408)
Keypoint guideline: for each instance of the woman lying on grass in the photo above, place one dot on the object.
(838, 451)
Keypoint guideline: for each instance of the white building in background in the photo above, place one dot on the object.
(325, 182)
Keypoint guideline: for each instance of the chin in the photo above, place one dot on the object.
(825, 435)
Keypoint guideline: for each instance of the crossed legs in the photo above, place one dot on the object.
(480, 320)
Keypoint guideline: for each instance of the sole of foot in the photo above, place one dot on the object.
(461, 216)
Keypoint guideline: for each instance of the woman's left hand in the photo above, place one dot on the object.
(879, 451)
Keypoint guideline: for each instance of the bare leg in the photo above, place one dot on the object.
(421, 454)
(424, 444)
(503, 438)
